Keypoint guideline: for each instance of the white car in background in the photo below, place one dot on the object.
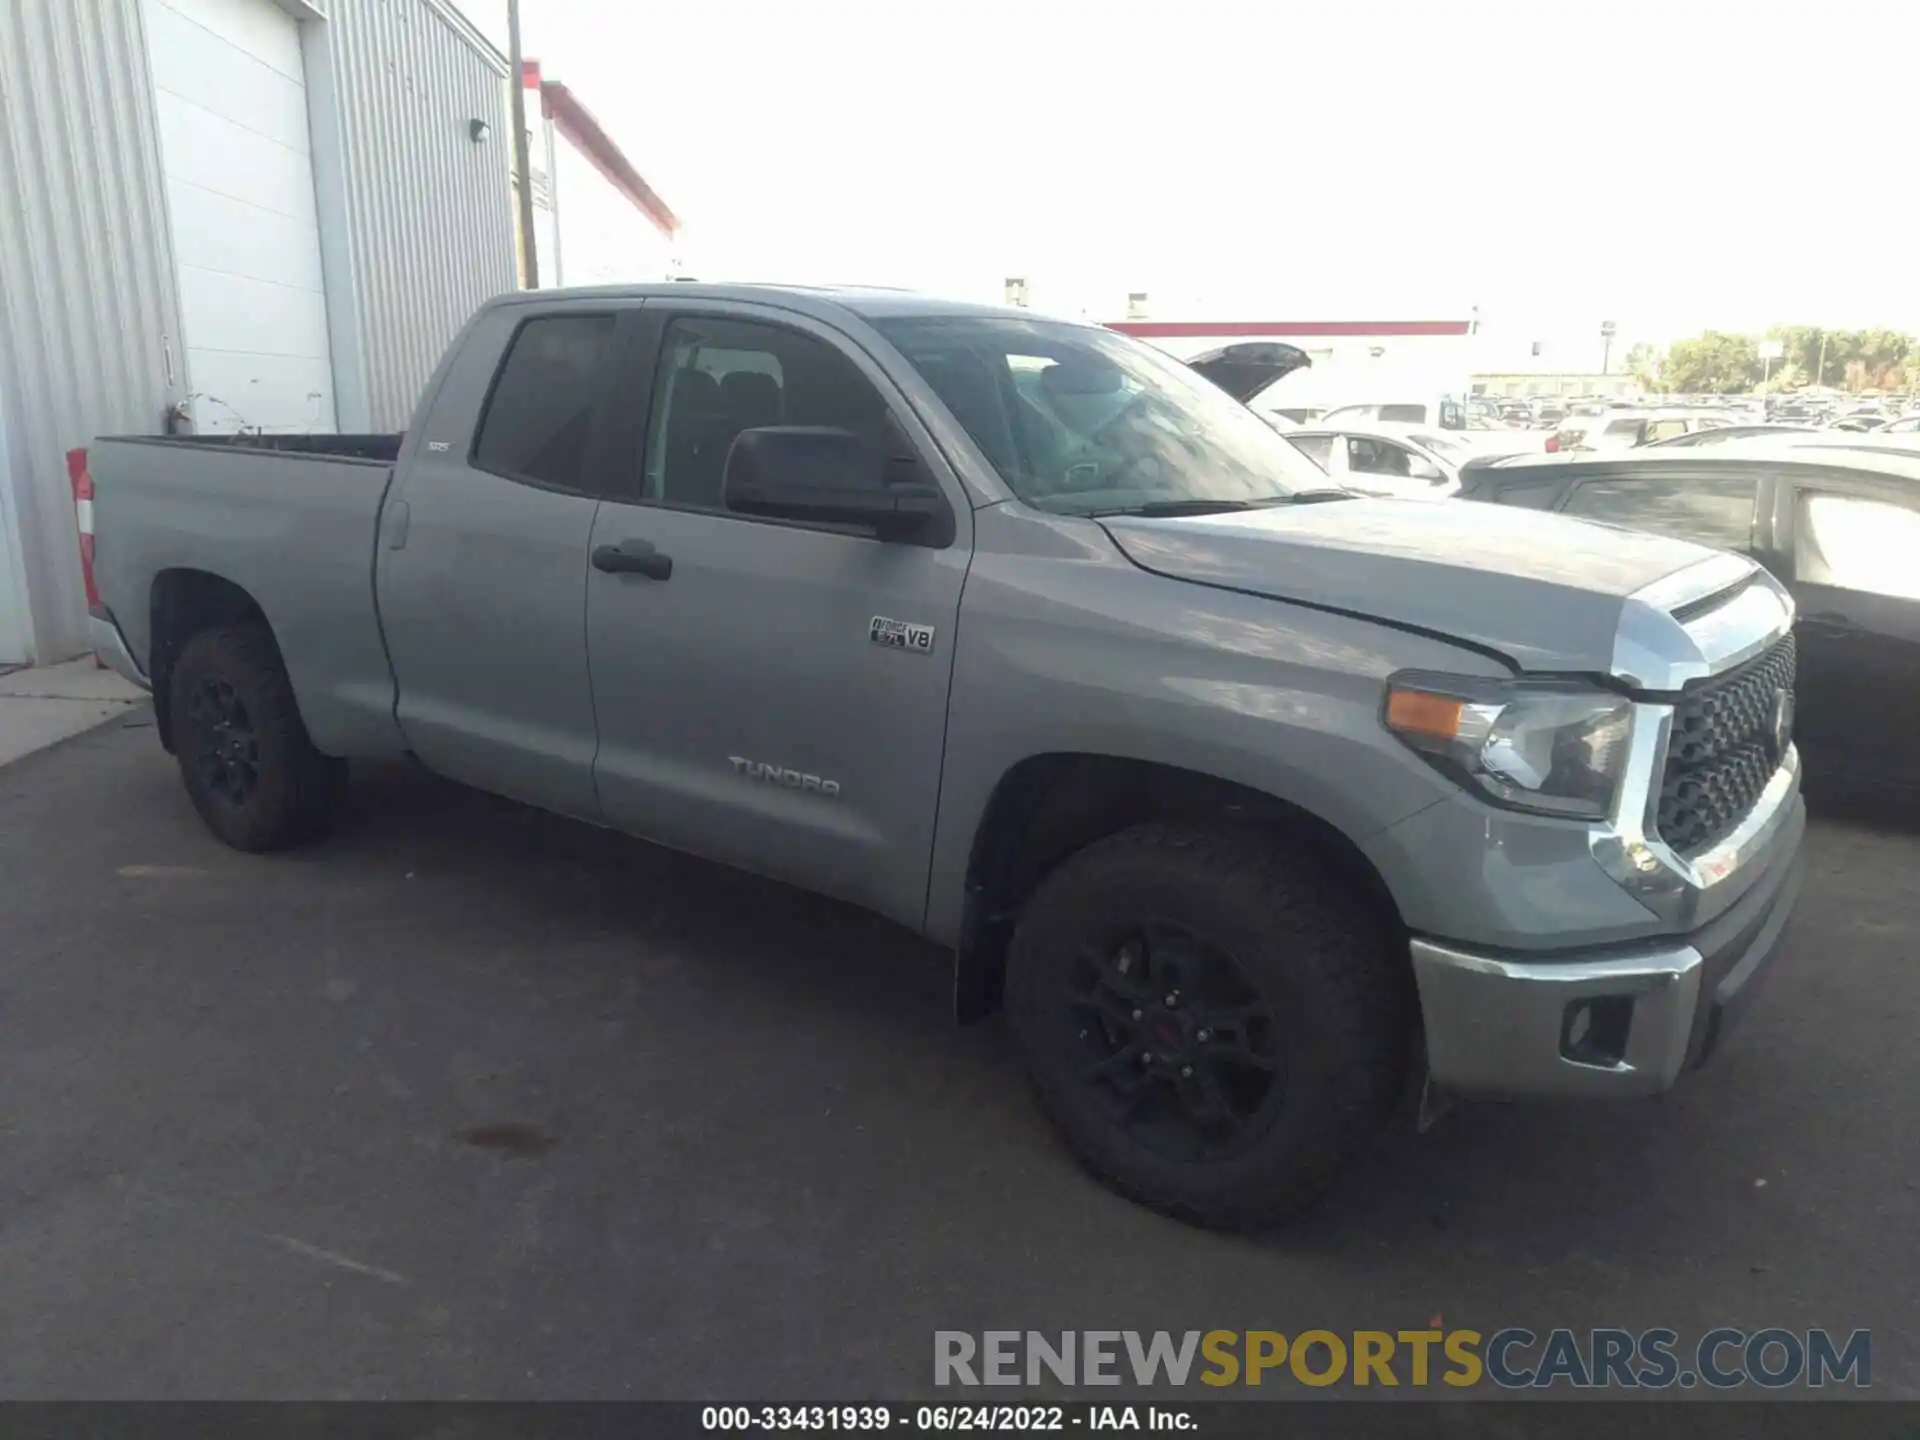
(1442, 412)
(1415, 462)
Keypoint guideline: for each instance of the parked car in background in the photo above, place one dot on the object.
(1905, 425)
(1723, 434)
(1840, 528)
(1625, 429)
(1859, 420)
(1443, 412)
(1412, 462)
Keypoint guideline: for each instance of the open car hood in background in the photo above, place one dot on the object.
(1244, 370)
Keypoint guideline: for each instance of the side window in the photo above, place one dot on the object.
(1404, 414)
(1529, 494)
(1663, 430)
(1708, 511)
(1452, 417)
(540, 415)
(1317, 448)
(1367, 456)
(1855, 543)
(718, 377)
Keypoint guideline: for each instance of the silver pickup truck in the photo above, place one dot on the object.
(1259, 804)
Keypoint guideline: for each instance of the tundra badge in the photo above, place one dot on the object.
(901, 635)
(780, 775)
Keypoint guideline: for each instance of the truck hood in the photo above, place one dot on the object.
(1544, 591)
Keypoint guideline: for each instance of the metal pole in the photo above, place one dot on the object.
(1820, 372)
(522, 165)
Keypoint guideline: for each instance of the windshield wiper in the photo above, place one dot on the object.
(1159, 509)
(1163, 509)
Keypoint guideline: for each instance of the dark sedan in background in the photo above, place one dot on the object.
(1840, 528)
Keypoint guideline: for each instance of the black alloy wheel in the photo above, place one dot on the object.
(1183, 1052)
(221, 741)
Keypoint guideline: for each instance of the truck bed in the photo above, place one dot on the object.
(292, 521)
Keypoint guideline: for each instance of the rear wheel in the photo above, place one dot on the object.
(1212, 1020)
(244, 754)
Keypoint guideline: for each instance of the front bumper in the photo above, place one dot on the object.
(1620, 1021)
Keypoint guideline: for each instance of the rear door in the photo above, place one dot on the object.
(482, 565)
(755, 704)
(1854, 548)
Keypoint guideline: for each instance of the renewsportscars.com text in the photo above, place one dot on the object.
(1772, 1358)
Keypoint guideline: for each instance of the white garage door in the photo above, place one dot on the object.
(232, 100)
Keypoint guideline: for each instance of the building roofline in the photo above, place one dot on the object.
(573, 120)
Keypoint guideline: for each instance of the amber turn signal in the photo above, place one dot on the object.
(1415, 712)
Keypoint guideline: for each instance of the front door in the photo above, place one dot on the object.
(769, 694)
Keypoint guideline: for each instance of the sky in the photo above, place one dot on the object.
(1671, 167)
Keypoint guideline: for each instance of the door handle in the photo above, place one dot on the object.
(633, 557)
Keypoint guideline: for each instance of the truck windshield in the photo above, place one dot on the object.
(1078, 419)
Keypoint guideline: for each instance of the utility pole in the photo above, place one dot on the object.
(1820, 370)
(522, 165)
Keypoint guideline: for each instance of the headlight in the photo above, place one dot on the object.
(1551, 749)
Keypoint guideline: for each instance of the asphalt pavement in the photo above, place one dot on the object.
(472, 1101)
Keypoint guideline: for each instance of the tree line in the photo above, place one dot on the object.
(1718, 363)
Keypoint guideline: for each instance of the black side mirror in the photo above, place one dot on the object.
(836, 477)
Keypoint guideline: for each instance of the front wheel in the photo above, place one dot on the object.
(245, 757)
(1213, 1021)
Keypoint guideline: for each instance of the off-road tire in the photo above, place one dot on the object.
(298, 792)
(1320, 954)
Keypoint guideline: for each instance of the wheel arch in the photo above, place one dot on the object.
(184, 603)
(1047, 807)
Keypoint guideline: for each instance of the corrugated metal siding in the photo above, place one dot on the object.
(87, 303)
(430, 210)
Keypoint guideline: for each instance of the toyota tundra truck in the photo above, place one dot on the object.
(1265, 810)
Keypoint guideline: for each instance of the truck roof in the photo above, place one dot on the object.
(871, 302)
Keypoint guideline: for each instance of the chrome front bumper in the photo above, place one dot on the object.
(1617, 1022)
(111, 648)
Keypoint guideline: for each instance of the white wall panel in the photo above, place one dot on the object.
(216, 232)
(87, 296)
(239, 314)
(427, 211)
(269, 392)
(256, 30)
(231, 101)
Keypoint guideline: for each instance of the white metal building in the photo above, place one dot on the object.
(225, 214)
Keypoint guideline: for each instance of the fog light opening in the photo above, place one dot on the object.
(1594, 1031)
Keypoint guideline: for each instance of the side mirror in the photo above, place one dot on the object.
(836, 477)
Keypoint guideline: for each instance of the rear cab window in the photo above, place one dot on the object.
(539, 417)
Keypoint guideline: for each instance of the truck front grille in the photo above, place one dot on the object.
(1729, 736)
